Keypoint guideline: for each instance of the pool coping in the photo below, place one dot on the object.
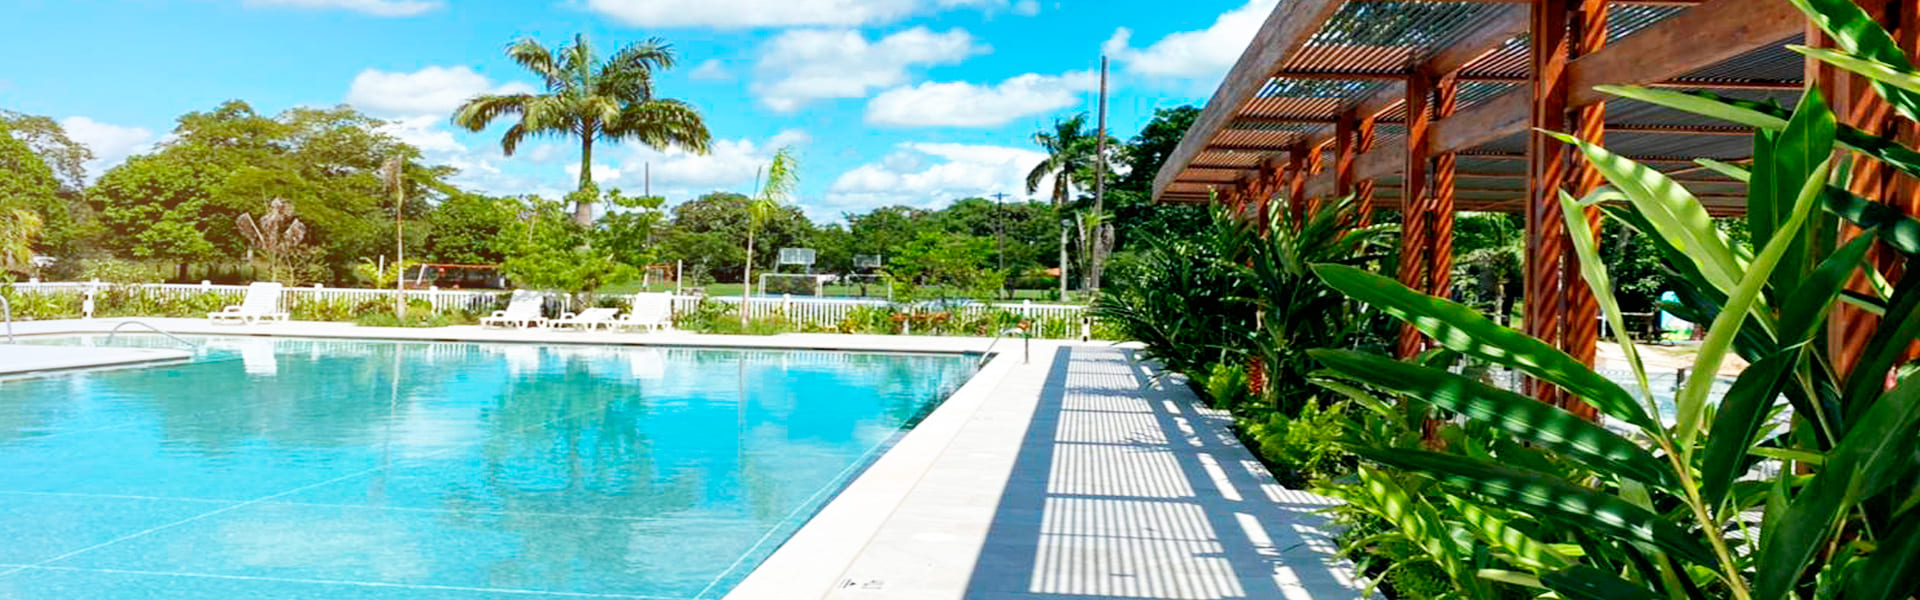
(59, 359)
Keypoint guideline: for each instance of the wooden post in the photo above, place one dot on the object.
(1547, 175)
(1580, 335)
(1446, 93)
(1363, 189)
(1297, 184)
(1344, 144)
(1414, 205)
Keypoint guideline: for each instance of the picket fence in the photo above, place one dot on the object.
(1058, 320)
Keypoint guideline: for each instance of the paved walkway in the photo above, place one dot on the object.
(1075, 477)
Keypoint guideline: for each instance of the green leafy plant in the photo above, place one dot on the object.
(1673, 507)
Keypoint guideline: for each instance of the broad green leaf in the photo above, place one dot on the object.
(1468, 332)
(1886, 348)
(1797, 151)
(1770, 116)
(1550, 498)
(1801, 316)
(1741, 415)
(1511, 578)
(1493, 530)
(1855, 31)
(1691, 402)
(1594, 270)
(1899, 230)
(1733, 171)
(1672, 210)
(1415, 519)
(1905, 79)
(1805, 456)
(1893, 569)
(1870, 457)
(1520, 416)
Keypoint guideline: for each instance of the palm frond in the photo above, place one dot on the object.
(480, 111)
(661, 124)
(532, 56)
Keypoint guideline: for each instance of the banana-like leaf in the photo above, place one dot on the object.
(1520, 416)
(1582, 582)
(1594, 270)
(1732, 171)
(1885, 349)
(1892, 572)
(1741, 415)
(1853, 30)
(1495, 531)
(1672, 210)
(1899, 230)
(1549, 497)
(1879, 72)
(1691, 402)
(1801, 316)
(1797, 151)
(1415, 519)
(1871, 457)
(1470, 333)
(1770, 116)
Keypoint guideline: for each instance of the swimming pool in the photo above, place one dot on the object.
(298, 468)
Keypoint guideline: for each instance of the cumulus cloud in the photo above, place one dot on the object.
(430, 91)
(678, 174)
(110, 143)
(1201, 54)
(773, 13)
(930, 175)
(961, 104)
(710, 70)
(378, 8)
(801, 66)
(1026, 8)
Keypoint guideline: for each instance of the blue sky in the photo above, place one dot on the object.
(914, 102)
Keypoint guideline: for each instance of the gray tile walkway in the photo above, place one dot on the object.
(1075, 477)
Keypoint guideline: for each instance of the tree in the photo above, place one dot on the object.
(1071, 155)
(277, 235)
(781, 176)
(26, 184)
(627, 228)
(545, 249)
(61, 212)
(945, 261)
(1134, 211)
(706, 234)
(465, 227)
(590, 100)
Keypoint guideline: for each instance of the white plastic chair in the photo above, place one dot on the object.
(261, 304)
(522, 311)
(588, 319)
(652, 311)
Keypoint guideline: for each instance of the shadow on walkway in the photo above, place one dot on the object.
(1126, 489)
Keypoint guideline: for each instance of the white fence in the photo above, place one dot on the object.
(1052, 320)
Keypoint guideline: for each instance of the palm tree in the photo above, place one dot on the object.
(393, 176)
(781, 176)
(1070, 158)
(590, 100)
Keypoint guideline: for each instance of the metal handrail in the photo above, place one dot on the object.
(116, 331)
(7, 307)
(996, 341)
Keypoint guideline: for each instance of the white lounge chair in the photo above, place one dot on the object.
(522, 311)
(261, 304)
(588, 319)
(651, 311)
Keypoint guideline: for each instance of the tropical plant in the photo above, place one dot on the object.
(1682, 507)
(1071, 152)
(776, 184)
(277, 235)
(591, 100)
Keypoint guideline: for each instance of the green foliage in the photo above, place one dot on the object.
(550, 251)
(944, 265)
(30, 205)
(464, 226)
(1307, 445)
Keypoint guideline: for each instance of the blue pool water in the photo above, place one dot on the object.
(289, 468)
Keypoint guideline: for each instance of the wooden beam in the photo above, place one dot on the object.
(1546, 236)
(1344, 147)
(1633, 2)
(1440, 222)
(1279, 39)
(1261, 122)
(1296, 185)
(1415, 219)
(1580, 329)
(1700, 37)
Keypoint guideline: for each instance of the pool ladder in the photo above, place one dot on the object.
(116, 331)
(1027, 355)
(7, 307)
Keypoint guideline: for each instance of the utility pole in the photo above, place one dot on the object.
(1096, 237)
(646, 187)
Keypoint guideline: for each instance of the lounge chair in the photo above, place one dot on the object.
(522, 311)
(588, 319)
(261, 304)
(651, 311)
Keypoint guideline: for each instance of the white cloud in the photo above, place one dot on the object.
(1026, 8)
(961, 104)
(773, 13)
(1202, 54)
(805, 65)
(930, 175)
(600, 172)
(710, 70)
(678, 174)
(430, 91)
(378, 8)
(110, 143)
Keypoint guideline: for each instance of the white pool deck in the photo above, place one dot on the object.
(1073, 474)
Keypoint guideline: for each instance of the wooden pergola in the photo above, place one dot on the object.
(1429, 107)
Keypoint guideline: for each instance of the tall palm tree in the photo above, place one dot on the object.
(393, 177)
(781, 176)
(591, 100)
(1070, 158)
